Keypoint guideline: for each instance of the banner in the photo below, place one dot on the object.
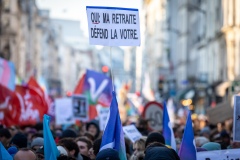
(97, 87)
(80, 107)
(228, 154)
(111, 26)
(132, 132)
(7, 74)
(63, 111)
(236, 119)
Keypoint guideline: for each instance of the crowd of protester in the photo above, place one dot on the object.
(82, 142)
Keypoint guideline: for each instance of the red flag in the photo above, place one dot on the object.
(79, 87)
(33, 105)
(10, 109)
(34, 84)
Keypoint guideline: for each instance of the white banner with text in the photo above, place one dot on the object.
(112, 26)
(227, 154)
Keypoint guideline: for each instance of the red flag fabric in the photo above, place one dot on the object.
(79, 87)
(10, 109)
(34, 84)
(33, 106)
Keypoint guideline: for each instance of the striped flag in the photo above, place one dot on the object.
(113, 136)
(167, 129)
(188, 147)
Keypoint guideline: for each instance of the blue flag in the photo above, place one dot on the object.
(50, 149)
(167, 129)
(113, 136)
(188, 147)
(4, 155)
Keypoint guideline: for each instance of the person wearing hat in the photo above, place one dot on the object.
(159, 151)
(68, 133)
(93, 128)
(154, 137)
(211, 146)
(201, 140)
(108, 154)
(37, 143)
(19, 140)
(225, 139)
(5, 136)
(12, 150)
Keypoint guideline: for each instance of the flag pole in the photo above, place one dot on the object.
(111, 68)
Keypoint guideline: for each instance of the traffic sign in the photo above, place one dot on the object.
(153, 111)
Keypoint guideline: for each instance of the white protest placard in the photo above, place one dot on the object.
(132, 132)
(63, 111)
(103, 116)
(236, 119)
(228, 154)
(112, 26)
(80, 107)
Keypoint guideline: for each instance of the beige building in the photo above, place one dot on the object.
(193, 41)
(155, 50)
(231, 30)
(19, 38)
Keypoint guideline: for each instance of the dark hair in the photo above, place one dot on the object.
(68, 133)
(128, 145)
(70, 144)
(87, 141)
(89, 136)
(64, 157)
(96, 146)
(4, 132)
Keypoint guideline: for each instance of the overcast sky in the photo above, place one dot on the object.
(76, 9)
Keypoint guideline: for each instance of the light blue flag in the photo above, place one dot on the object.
(167, 129)
(4, 155)
(188, 147)
(113, 136)
(50, 149)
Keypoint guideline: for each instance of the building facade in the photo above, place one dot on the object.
(200, 48)
(156, 44)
